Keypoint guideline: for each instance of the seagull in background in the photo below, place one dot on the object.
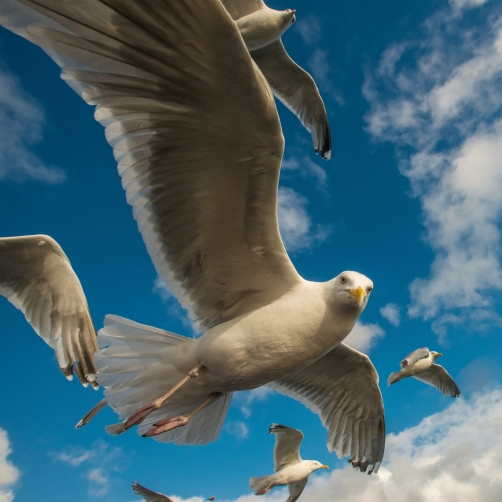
(262, 28)
(421, 365)
(290, 469)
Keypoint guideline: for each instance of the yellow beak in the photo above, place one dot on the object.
(357, 295)
(324, 467)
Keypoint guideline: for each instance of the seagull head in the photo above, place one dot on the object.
(315, 465)
(289, 16)
(351, 291)
(435, 355)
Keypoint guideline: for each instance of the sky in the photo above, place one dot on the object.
(411, 198)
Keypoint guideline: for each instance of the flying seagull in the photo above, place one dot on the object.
(197, 138)
(261, 29)
(149, 495)
(290, 469)
(421, 365)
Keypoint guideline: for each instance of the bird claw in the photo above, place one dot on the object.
(167, 424)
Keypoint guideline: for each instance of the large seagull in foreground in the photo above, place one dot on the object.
(197, 138)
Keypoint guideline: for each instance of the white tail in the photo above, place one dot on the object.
(261, 485)
(394, 377)
(136, 366)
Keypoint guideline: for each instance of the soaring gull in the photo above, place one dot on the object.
(197, 138)
(290, 469)
(261, 29)
(420, 364)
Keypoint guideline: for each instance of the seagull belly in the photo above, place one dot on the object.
(292, 474)
(271, 342)
(261, 28)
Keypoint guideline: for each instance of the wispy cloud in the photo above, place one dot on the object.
(21, 121)
(443, 111)
(364, 336)
(310, 30)
(237, 428)
(306, 168)
(391, 313)
(247, 398)
(99, 462)
(297, 229)
(8, 472)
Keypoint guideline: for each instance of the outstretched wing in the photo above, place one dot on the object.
(287, 445)
(37, 278)
(241, 8)
(195, 132)
(297, 90)
(296, 489)
(342, 388)
(438, 377)
(415, 356)
(149, 495)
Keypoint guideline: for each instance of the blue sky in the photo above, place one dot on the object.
(411, 198)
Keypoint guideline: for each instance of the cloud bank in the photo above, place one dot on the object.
(439, 101)
(21, 121)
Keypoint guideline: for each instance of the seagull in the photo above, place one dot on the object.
(196, 134)
(149, 495)
(290, 469)
(421, 365)
(211, 497)
(261, 28)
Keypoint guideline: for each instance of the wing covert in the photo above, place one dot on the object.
(415, 356)
(438, 377)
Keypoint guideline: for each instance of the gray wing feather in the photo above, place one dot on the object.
(241, 8)
(37, 278)
(196, 136)
(296, 89)
(415, 356)
(149, 495)
(296, 489)
(287, 445)
(342, 388)
(438, 377)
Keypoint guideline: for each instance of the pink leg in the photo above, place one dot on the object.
(139, 415)
(169, 424)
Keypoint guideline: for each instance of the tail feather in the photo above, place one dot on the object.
(394, 377)
(116, 429)
(91, 414)
(261, 485)
(136, 367)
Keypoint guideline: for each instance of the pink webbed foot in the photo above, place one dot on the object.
(167, 425)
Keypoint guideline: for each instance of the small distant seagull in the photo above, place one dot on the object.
(211, 497)
(420, 365)
(290, 469)
(149, 495)
(261, 29)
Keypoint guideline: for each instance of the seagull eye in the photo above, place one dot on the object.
(343, 279)
(369, 289)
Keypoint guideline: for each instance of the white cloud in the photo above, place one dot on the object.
(391, 313)
(466, 4)
(237, 428)
(306, 168)
(248, 397)
(99, 482)
(451, 456)
(364, 336)
(444, 113)
(21, 120)
(295, 224)
(8, 472)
